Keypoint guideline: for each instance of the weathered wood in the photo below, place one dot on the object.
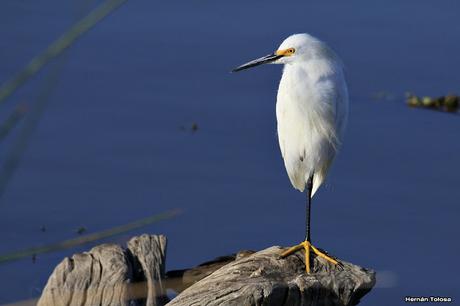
(110, 275)
(265, 279)
(179, 280)
(150, 252)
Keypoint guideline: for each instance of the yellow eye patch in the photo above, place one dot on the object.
(285, 52)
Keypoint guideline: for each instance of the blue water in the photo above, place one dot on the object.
(110, 149)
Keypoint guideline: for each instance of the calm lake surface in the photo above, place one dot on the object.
(110, 150)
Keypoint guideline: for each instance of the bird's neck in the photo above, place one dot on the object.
(313, 69)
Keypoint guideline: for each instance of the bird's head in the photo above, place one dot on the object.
(297, 47)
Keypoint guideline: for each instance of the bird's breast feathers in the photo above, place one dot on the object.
(311, 111)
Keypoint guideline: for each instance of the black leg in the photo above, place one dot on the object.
(306, 245)
(308, 213)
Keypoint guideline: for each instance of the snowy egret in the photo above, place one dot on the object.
(311, 112)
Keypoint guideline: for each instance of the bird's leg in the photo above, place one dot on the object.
(308, 210)
(306, 245)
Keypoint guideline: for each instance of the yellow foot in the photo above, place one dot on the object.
(306, 245)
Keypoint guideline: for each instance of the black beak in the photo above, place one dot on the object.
(263, 60)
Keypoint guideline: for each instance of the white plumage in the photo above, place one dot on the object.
(311, 109)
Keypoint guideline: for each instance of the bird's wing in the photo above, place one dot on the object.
(309, 129)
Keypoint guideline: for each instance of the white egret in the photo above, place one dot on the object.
(311, 112)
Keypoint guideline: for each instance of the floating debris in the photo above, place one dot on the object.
(81, 230)
(194, 127)
(449, 103)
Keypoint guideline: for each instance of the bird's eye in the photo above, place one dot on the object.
(291, 50)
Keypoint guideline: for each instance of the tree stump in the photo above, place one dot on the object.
(112, 275)
(265, 279)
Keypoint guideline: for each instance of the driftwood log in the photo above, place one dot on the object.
(111, 275)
